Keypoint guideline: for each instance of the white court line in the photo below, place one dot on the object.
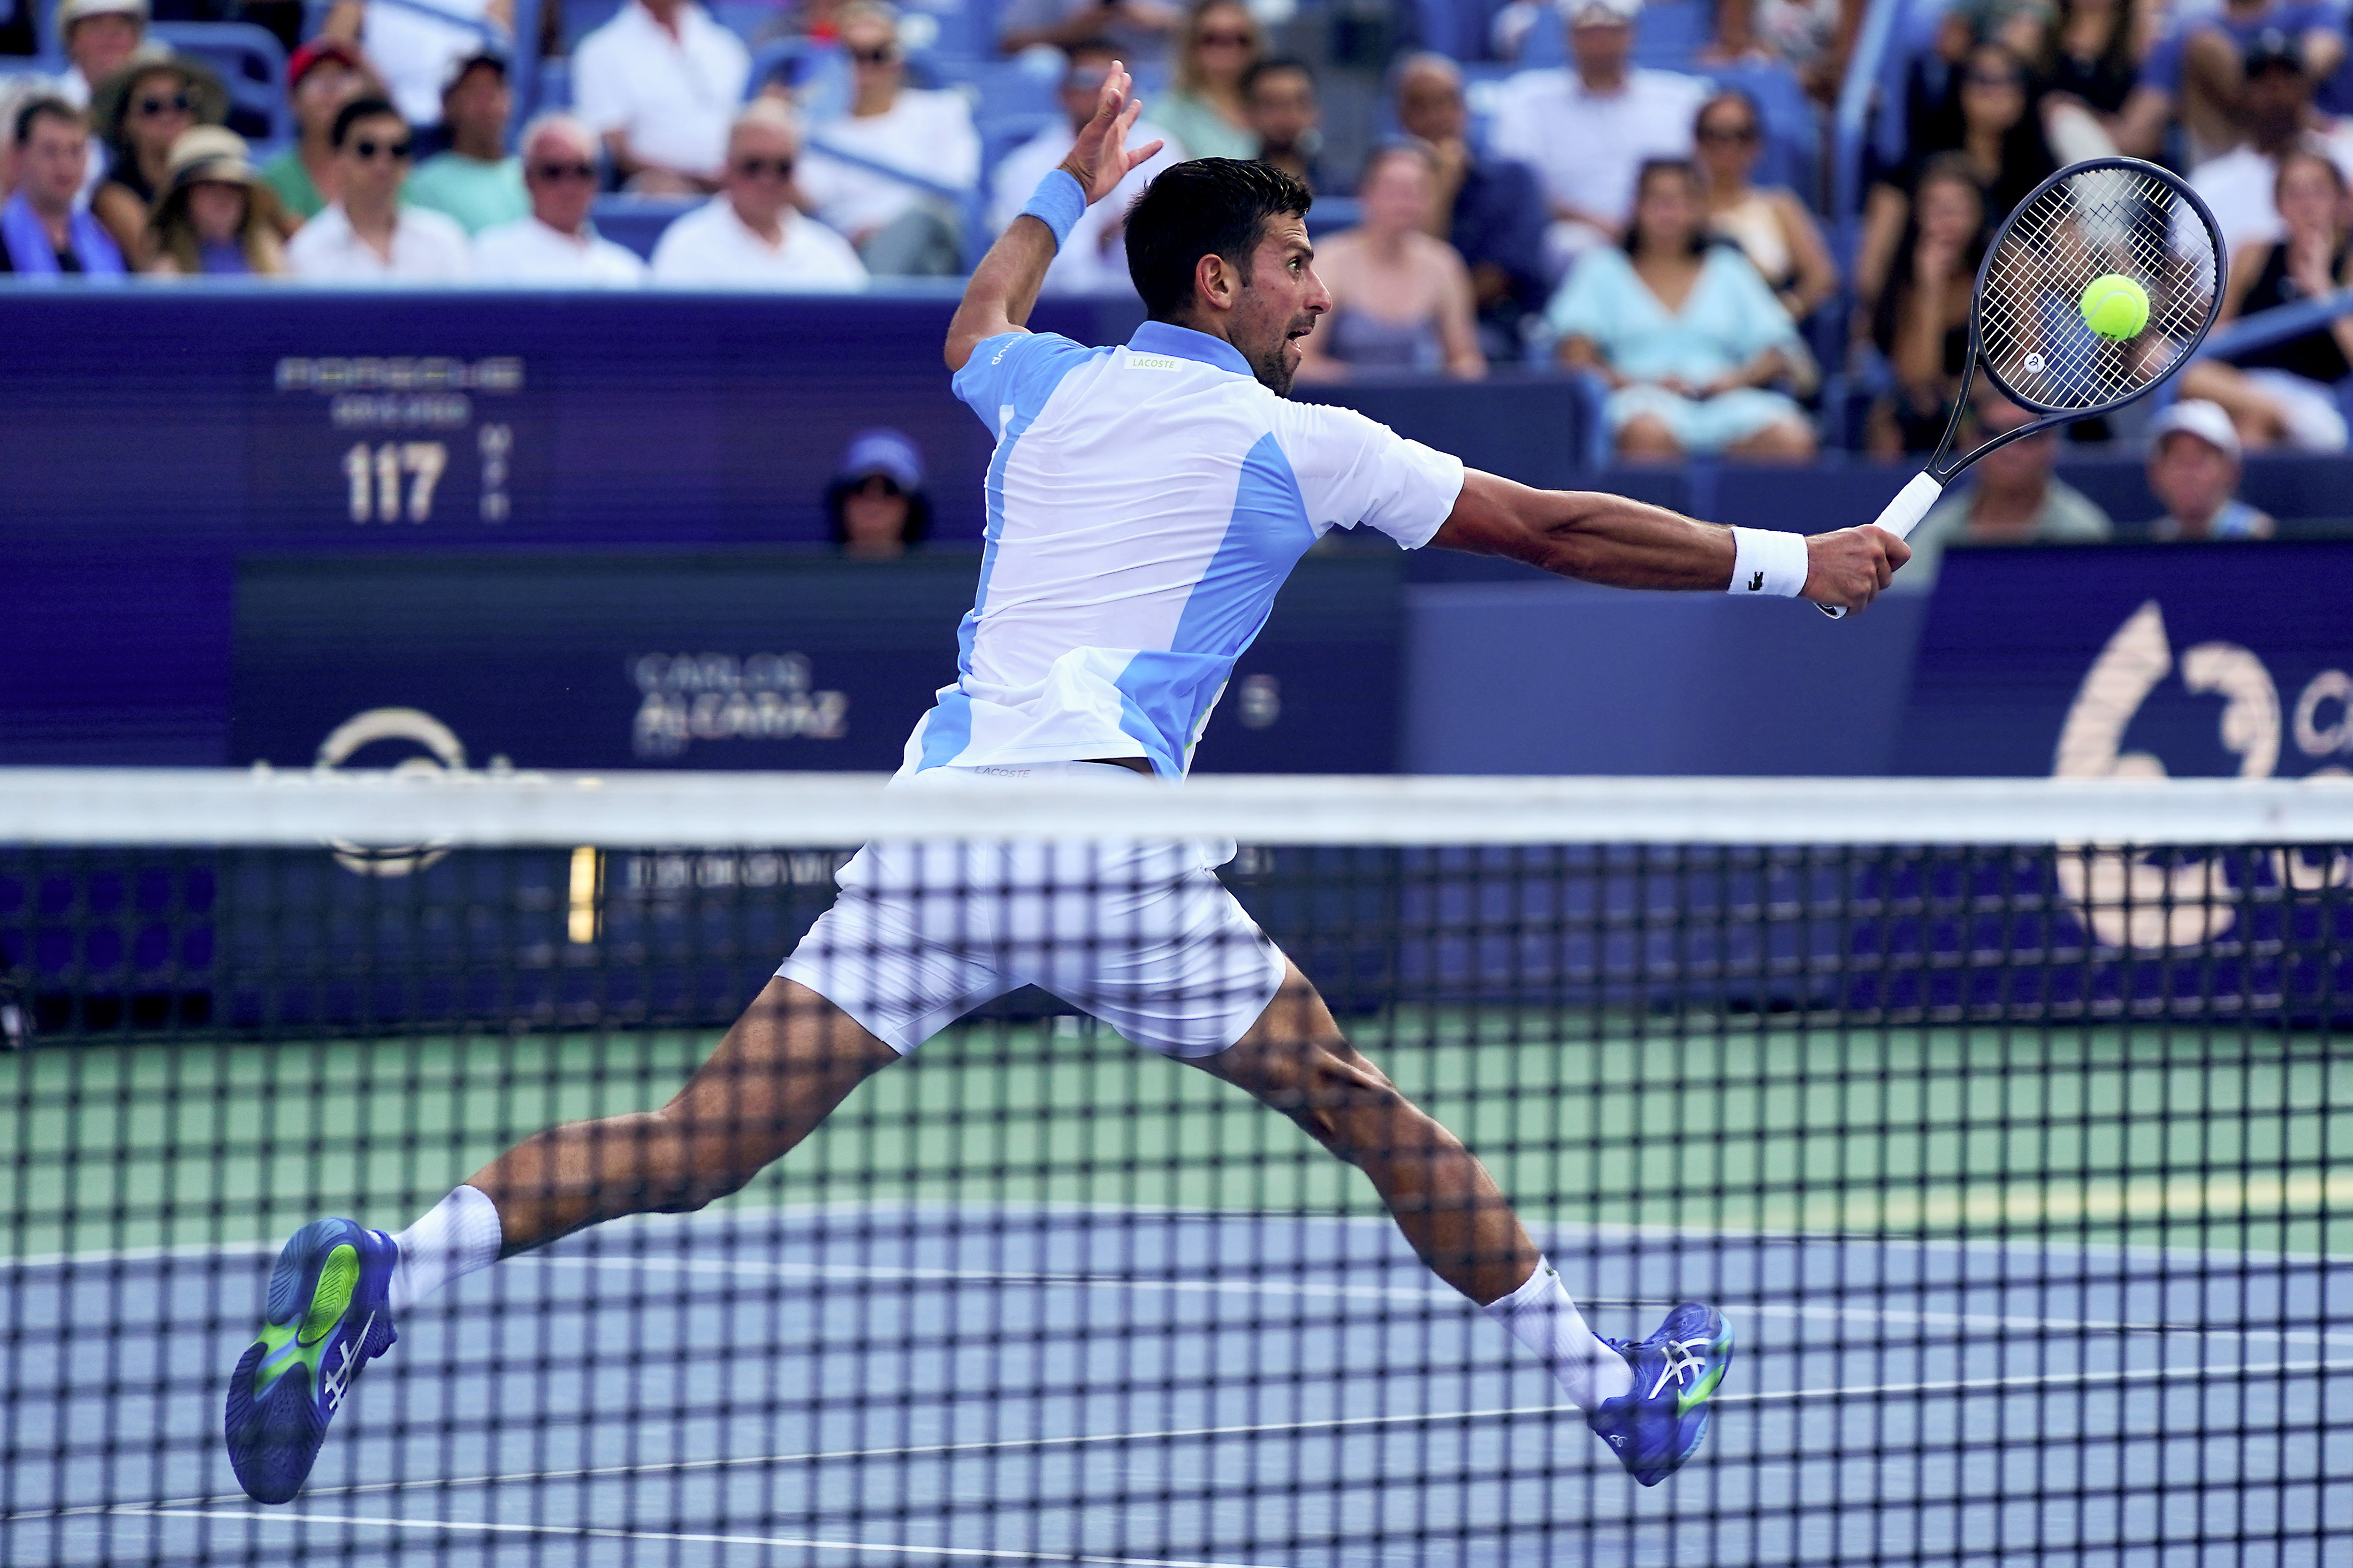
(678, 1537)
(1423, 1294)
(1956, 1387)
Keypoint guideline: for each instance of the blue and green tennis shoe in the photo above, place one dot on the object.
(1677, 1369)
(326, 1317)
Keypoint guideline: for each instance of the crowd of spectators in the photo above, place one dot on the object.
(1600, 214)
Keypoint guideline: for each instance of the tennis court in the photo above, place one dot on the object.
(2004, 1295)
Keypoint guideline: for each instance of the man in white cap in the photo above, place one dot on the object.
(556, 243)
(2193, 473)
(99, 37)
(1588, 128)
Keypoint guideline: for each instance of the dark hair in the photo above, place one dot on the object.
(357, 110)
(1652, 168)
(39, 105)
(1210, 206)
(1261, 69)
(2305, 152)
(1729, 95)
(913, 530)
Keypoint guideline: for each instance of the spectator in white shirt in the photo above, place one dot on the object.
(1589, 129)
(750, 235)
(660, 83)
(899, 229)
(1094, 261)
(99, 37)
(414, 52)
(556, 244)
(365, 236)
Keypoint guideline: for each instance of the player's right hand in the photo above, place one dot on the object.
(1847, 569)
(1100, 159)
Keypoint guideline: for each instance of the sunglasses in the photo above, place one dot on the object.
(754, 168)
(1224, 40)
(367, 150)
(551, 174)
(884, 56)
(178, 104)
(1732, 134)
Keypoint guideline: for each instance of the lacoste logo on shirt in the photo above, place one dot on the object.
(1153, 361)
(1756, 583)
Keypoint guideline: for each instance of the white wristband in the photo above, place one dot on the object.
(1768, 561)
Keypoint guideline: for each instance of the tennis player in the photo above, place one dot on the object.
(1145, 504)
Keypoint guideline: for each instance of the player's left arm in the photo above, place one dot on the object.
(1004, 286)
(1625, 544)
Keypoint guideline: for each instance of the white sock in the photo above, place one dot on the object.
(1541, 1316)
(451, 1239)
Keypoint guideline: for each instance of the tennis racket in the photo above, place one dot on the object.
(2101, 217)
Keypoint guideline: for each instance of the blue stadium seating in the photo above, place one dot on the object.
(251, 61)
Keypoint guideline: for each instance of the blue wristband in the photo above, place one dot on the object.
(1057, 203)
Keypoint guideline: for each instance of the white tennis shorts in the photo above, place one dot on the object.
(1137, 933)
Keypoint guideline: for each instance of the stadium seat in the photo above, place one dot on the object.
(635, 223)
(252, 65)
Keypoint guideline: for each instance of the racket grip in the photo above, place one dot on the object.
(1901, 517)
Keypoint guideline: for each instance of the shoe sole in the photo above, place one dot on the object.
(274, 1437)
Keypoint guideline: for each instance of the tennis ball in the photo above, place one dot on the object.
(2114, 306)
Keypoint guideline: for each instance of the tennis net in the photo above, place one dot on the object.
(2008, 1122)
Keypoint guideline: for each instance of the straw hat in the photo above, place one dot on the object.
(211, 152)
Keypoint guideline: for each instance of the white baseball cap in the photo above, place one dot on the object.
(2199, 418)
(1600, 13)
(72, 11)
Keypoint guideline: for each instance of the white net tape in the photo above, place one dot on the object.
(2089, 225)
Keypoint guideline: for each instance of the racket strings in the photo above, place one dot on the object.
(2088, 225)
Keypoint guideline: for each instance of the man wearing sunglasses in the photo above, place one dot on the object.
(750, 236)
(899, 230)
(365, 236)
(556, 244)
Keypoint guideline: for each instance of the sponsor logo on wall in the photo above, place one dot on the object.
(2149, 902)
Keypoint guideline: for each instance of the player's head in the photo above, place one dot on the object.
(1221, 245)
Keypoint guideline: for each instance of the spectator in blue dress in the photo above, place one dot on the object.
(2193, 473)
(1490, 209)
(1687, 334)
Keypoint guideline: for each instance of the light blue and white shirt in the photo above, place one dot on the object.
(1145, 503)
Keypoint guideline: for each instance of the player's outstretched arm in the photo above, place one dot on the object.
(1004, 286)
(1630, 545)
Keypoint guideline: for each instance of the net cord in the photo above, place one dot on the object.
(94, 806)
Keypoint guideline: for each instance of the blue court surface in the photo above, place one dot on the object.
(913, 1383)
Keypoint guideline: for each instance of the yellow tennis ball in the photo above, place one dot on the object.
(2114, 306)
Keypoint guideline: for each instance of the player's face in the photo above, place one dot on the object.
(1280, 303)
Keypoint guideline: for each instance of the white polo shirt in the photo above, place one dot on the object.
(529, 251)
(1589, 146)
(1145, 505)
(674, 98)
(928, 134)
(711, 247)
(427, 248)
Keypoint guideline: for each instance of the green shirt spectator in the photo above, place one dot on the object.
(479, 195)
(2015, 499)
(475, 181)
(296, 190)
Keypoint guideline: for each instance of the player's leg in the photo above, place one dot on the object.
(338, 1287)
(1647, 1399)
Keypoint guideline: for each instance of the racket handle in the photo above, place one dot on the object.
(1902, 516)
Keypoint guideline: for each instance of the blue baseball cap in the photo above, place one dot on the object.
(884, 452)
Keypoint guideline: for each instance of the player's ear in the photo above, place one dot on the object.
(1214, 282)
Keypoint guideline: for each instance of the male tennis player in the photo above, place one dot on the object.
(1145, 503)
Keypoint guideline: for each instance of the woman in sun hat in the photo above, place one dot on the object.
(141, 111)
(216, 218)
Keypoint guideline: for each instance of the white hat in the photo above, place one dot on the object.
(72, 11)
(1603, 13)
(2199, 418)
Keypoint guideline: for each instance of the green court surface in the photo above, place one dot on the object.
(2182, 1137)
